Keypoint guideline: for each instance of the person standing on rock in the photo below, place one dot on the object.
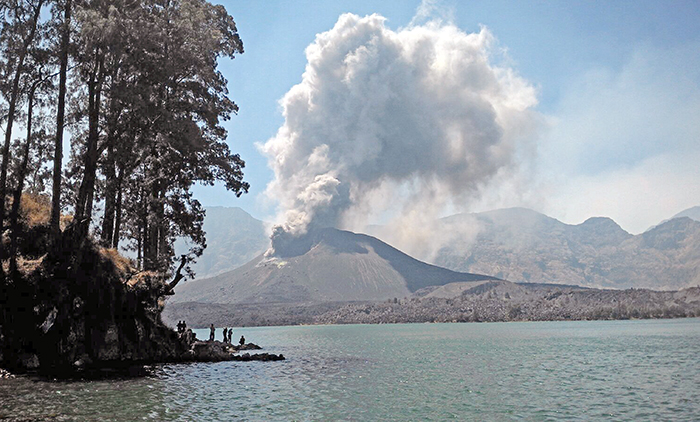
(225, 334)
(241, 341)
(212, 331)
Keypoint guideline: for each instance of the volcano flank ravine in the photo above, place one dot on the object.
(325, 265)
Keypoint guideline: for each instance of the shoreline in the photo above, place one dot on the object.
(328, 324)
(491, 303)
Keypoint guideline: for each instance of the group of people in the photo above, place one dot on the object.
(228, 333)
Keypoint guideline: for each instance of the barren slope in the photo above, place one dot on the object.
(332, 265)
(521, 245)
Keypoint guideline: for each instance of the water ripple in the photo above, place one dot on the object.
(578, 371)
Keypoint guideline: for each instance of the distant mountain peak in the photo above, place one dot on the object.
(602, 223)
(321, 266)
(514, 213)
(517, 244)
(287, 245)
(234, 237)
(676, 224)
(693, 213)
(671, 234)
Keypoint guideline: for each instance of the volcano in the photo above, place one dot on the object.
(324, 265)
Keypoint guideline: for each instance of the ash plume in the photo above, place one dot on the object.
(394, 125)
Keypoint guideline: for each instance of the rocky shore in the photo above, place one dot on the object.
(217, 351)
(72, 313)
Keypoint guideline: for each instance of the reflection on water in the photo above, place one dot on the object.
(622, 370)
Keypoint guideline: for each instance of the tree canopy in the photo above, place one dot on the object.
(136, 86)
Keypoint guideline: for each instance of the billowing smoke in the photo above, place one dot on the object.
(394, 126)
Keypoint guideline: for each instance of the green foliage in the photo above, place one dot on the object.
(145, 103)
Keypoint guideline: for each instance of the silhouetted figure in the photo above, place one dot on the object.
(212, 331)
(225, 334)
(241, 341)
(189, 336)
(230, 335)
(179, 327)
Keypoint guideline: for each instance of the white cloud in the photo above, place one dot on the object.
(626, 144)
(411, 122)
(432, 12)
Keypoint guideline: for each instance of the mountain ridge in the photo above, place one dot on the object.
(518, 244)
(336, 265)
(596, 253)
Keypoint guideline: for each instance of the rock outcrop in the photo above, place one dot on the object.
(71, 311)
(216, 351)
(245, 357)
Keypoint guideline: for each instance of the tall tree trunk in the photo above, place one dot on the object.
(163, 231)
(12, 106)
(143, 230)
(118, 210)
(83, 207)
(153, 236)
(109, 170)
(110, 198)
(139, 247)
(17, 197)
(60, 123)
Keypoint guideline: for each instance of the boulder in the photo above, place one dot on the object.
(247, 346)
(210, 351)
(216, 351)
(245, 357)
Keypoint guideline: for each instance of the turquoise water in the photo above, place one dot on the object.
(586, 370)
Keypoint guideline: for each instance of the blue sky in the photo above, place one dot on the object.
(618, 85)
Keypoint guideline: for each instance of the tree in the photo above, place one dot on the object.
(20, 36)
(22, 169)
(139, 89)
(173, 110)
(154, 102)
(60, 118)
(95, 41)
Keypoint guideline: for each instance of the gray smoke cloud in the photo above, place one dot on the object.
(395, 126)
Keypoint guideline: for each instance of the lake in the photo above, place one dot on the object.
(583, 370)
